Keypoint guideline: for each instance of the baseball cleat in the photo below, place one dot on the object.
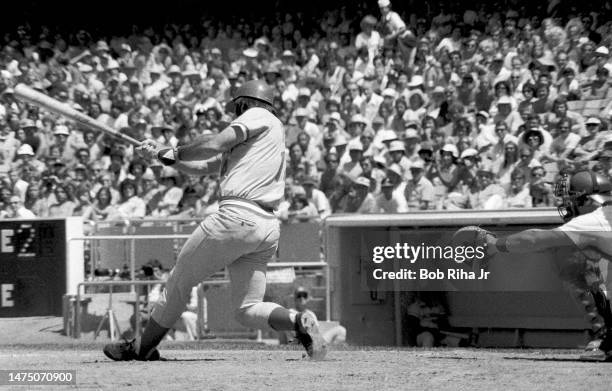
(592, 352)
(596, 355)
(126, 351)
(307, 332)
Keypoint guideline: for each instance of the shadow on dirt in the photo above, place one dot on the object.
(551, 359)
(452, 358)
(191, 359)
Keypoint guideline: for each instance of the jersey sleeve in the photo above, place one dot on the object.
(581, 229)
(251, 123)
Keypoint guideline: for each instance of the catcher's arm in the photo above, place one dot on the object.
(531, 240)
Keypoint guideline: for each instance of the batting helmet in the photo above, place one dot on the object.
(256, 89)
(575, 191)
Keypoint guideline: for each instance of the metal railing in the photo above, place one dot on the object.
(110, 284)
(109, 314)
(133, 282)
(133, 238)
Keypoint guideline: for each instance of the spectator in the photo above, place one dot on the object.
(538, 140)
(419, 191)
(369, 37)
(102, 207)
(301, 209)
(504, 167)
(16, 210)
(371, 172)
(298, 165)
(445, 176)
(353, 167)
(316, 197)
(426, 83)
(9, 145)
(518, 195)
(359, 199)
(541, 191)
(35, 202)
(64, 205)
(590, 145)
(564, 144)
(490, 195)
(561, 112)
(388, 201)
(394, 28)
(397, 155)
(83, 203)
(24, 156)
(131, 206)
(171, 193)
(599, 88)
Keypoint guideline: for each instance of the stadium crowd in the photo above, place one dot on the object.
(384, 113)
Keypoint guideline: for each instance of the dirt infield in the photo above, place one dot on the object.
(36, 343)
(347, 369)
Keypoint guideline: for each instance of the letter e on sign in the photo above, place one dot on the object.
(5, 241)
(6, 291)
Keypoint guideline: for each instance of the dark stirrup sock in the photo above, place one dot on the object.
(280, 319)
(152, 335)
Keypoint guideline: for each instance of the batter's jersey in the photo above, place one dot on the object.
(255, 169)
(592, 230)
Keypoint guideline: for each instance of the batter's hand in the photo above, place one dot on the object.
(149, 149)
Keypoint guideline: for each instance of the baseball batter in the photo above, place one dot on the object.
(584, 240)
(242, 235)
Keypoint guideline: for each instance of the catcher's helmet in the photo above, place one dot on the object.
(575, 190)
(256, 89)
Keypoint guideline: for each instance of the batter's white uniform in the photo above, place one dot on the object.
(243, 234)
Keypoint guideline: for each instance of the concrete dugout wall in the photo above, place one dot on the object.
(524, 297)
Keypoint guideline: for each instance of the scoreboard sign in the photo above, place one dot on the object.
(34, 266)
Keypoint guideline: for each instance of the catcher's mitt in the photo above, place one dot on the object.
(471, 236)
(474, 236)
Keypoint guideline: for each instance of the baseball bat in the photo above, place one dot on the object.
(34, 97)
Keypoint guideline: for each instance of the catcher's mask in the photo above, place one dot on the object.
(578, 191)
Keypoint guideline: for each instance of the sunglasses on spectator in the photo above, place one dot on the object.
(525, 156)
(538, 174)
(301, 296)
